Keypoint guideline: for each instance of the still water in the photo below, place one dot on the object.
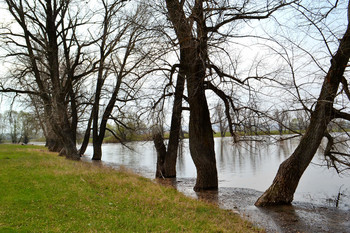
(246, 169)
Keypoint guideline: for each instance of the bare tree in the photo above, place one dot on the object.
(48, 60)
(290, 171)
(14, 126)
(220, 119)
(281, 117)
(122, 53)
(195, 24)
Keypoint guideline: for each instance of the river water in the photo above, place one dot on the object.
(246, 169)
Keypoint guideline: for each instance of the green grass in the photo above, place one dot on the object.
(42, 192)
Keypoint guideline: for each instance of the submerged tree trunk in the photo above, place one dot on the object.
(290, 171)
(166, 159)
(201, 136)
(161, 154)
(97, 145)
(194, 52)
(86, 138)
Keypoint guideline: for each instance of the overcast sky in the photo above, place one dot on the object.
(254, 53)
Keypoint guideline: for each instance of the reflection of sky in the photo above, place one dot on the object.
(245, 165)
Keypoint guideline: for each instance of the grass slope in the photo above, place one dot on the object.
(42, 192)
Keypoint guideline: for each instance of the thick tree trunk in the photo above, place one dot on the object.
(53, 144)
(194, 55)
(201, 139)
(62, 137)
(97, 145)
(289, 173)
(52, 140)
(70, 146)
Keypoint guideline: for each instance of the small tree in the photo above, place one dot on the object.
(121, 55)
(13, 126)
(220, 119)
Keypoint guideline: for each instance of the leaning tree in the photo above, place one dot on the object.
(291, 170)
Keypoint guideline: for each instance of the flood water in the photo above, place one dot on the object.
(245, 170)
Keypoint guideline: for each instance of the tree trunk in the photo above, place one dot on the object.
(86, 138)
(166, 159)
(290, 171)
(97, 145)
(53, 144)
(194, 55)
(69, 142)
(201, 138)
(161, 154)
(173, 146)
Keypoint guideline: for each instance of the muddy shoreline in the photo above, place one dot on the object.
(298, 217)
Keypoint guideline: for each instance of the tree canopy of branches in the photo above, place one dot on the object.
(48, 58)
(198, 26)
(123, 54)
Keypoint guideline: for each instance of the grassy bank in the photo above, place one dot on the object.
(41, 192)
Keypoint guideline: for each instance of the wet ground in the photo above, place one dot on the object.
(298, 217)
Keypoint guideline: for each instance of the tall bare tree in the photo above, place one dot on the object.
(123, 51)
(196, 24)
(48, 59)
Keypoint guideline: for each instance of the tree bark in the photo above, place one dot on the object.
(53, 144)
(290, 171)
(166, 159)
(97, 145)
(175, 127)
(201, 137)
(64, 129)
(161, 154)
(194, 52)
(86, 138)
